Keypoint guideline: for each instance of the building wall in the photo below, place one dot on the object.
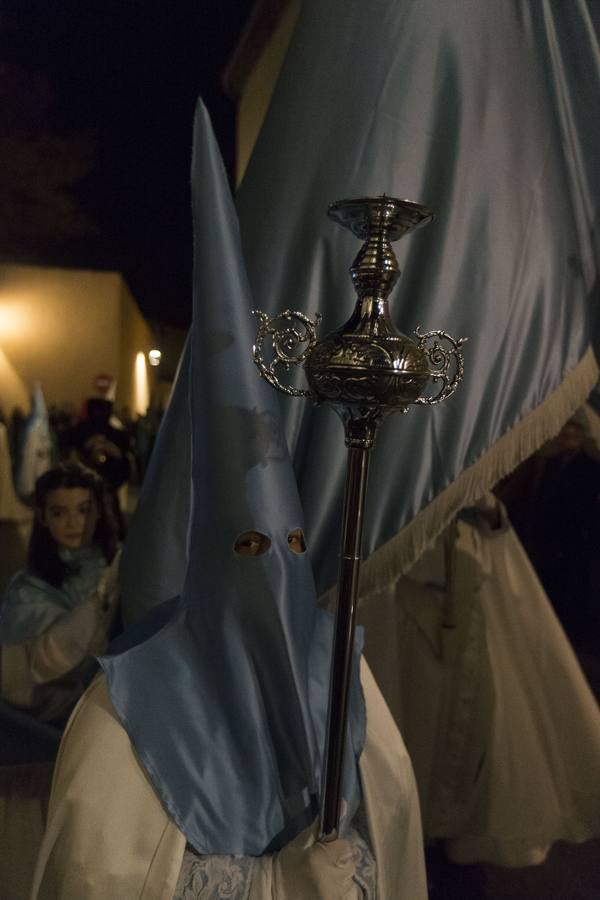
(59, 327)
(136, 378)
(13, 391)
(64, 327)
(256, 95)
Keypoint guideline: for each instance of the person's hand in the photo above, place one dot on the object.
(107, 587)
(309, 870)
(105, 600)
(105, 595)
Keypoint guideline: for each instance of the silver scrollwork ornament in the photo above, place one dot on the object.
(292, 337)
(446, 362)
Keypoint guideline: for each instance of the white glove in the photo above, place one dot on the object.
(309, 870)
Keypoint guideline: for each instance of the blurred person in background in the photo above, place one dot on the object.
(61, 418)
(553, 501)
(59, 612)
(567, 527)
(103, 448)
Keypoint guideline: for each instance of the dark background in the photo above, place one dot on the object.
(96, 108)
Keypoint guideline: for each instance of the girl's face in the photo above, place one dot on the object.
(70, 515)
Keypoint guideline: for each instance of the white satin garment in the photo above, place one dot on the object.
(109, 836)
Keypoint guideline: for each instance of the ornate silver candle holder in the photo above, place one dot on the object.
(365, 370)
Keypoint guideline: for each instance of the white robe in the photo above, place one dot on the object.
(109, 837)
(502, 728)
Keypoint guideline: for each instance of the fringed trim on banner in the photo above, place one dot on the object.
(395, 557)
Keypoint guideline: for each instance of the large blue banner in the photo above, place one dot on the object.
(481, 111)
(487, 113)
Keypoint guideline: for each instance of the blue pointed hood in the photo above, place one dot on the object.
(35, 453)
(154, 559)
(226, 704)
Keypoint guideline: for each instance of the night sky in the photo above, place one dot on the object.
(96, 108)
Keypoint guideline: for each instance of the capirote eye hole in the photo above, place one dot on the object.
(296, 541)
(251, 543)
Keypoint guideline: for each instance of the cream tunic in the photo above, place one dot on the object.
(502, 728)
(109, 837)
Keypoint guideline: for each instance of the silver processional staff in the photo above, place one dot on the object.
(365, 370)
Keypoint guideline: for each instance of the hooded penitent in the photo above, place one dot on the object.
(226, 703)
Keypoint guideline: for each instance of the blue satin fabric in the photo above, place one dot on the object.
(34, 453)
(484, 111)
(155, 555)
(226, 703)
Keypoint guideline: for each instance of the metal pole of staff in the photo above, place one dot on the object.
(343, 642)
(365, 370)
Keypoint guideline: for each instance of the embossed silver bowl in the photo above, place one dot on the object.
(365, 369)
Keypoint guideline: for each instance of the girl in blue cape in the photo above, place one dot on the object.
(192, 766)
(58, 612)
